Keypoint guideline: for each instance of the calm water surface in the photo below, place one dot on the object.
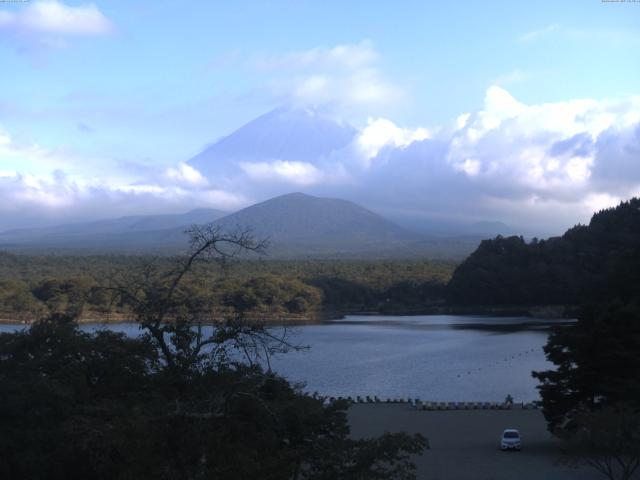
(433, 357)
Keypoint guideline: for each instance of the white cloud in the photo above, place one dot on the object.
(542, 148)
(48, 24)
(499, 106)
(380, 133)
(186, 174)
(28, 200)
(546, 166)
(38, 184)
(344, 76)
(470, 166)
(28, 157)
(462, 119)
(296, 173)
(599, 201)
(53, 17)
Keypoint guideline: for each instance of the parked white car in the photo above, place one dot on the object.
(510, 440)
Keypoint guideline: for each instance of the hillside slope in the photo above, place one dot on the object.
(105, 234)
(599, 260)
(296, 224)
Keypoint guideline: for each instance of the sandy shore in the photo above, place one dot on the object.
(464, 443)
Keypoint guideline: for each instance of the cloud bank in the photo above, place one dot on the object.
(541, 166)
(40, 186)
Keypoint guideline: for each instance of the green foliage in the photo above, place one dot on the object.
(587, 263)
(592, 397)
(18, 300)
(63, 296)
(597, 363)
(33, 285)
(61, 388)
(104, 406)
(350, 285)
(269, 293)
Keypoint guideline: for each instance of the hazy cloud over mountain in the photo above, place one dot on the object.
(344, 77)
(152, 108)
(548, 165)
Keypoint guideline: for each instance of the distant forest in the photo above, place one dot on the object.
(589, 263)
(33, 286)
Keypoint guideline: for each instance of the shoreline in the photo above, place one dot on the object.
(542, 312)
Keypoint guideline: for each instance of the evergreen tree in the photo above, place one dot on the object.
(597, 363)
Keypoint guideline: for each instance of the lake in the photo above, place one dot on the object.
(432, 357)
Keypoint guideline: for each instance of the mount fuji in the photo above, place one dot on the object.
(287, 134)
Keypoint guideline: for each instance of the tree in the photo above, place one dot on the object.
(597, 363)
(66, 397)
(592, 398)
(181, 401)
(607, 440)
(18, 301)
(165, 308)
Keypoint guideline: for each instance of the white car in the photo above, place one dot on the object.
(510, 439)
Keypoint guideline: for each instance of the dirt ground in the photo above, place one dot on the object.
(465, 443)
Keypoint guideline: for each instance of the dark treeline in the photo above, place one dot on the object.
(591, 398)
(588, 263)
(33, 286)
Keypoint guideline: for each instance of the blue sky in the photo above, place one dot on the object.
(121, 91)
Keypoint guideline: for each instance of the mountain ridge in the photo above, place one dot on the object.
(119, 225)
(296, 225)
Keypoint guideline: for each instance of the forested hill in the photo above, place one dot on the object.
(296, 225)
(299, 223)
(588, 263)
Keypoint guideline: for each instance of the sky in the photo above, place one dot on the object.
(521, 112)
